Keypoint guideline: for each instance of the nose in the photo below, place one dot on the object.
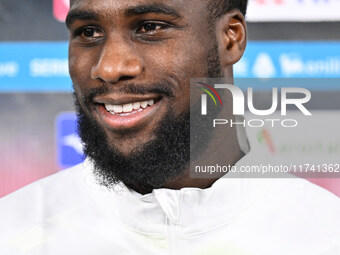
(117, 61)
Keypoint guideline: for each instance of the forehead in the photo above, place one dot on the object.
(116, 7)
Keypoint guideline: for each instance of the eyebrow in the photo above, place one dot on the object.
(74, 15)
(152, 8)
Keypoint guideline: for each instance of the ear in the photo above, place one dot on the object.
(232, 37)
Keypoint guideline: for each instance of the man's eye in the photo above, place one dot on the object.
(150, 28)
(89, 33)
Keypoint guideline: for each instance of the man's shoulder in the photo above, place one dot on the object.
(41, 200)
(54, 215)
(57, 182)
(308, 205)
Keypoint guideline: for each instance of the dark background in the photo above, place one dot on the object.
(32, 20)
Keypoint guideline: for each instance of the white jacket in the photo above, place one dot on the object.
(68, 213)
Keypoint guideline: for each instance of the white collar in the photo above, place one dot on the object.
(194, 210)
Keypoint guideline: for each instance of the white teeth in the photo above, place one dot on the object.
(109, 107)
(118, 108)
(151, 102)
(144, 104)
(127, 107)
(136, 105)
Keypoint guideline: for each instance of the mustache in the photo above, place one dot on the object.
(162, 88)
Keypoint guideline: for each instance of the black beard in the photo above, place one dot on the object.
(148, 167)
(153, 164)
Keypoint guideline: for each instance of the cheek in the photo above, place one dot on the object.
(180, 60)
(184, 59)
(80, 65)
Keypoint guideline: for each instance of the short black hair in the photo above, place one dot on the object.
(218, 8)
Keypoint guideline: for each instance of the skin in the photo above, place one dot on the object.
(114, 48)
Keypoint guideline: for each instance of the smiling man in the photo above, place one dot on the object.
(131, 62)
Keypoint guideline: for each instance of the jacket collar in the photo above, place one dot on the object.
(194, 210)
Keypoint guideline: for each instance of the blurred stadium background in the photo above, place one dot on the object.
(287, 39)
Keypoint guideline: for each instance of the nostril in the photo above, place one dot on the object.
(126, 77)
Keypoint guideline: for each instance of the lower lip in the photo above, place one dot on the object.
(116, 122)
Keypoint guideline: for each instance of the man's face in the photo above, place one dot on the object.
(131, 62)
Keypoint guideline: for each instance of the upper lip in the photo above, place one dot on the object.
(124, 99)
